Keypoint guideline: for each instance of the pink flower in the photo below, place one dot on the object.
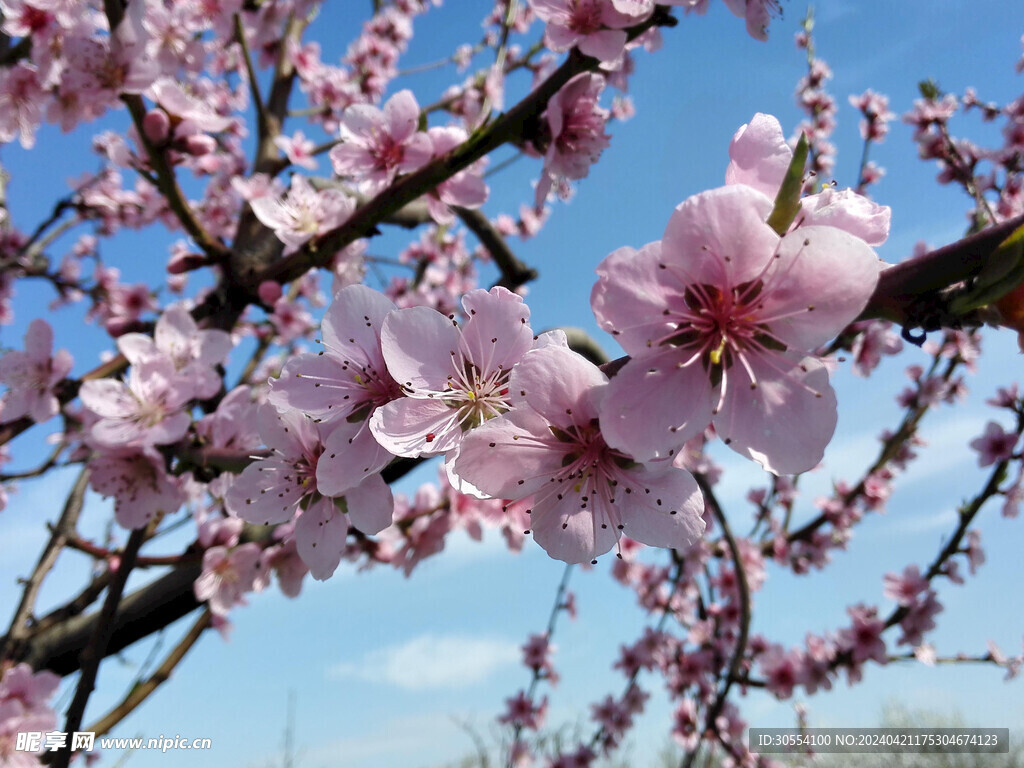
(759, 157)
(994, 445)
(757, 14)
(298, 149)
(21, 96)
(33, 375)
(193, 352)
(145, 410)
(454, 378)
(576, 121)
(596, 27)
(303, 213)
(718, 319)
(227, 575)
(466, 188)
(863, 639)
(585, 494)
(379, 144)
(782, 670)
(905, 589)
(136, 479)
(274, 489)
(342, 386)
(523, 713)
(29, 689)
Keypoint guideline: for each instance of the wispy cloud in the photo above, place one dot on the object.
(433, 661)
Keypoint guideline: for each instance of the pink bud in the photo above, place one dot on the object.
(180, 263)
(269, 291)
(198, 144)
(156, 125)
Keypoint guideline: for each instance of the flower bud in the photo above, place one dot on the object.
(156, 125)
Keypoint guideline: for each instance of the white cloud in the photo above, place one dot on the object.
(433, 661)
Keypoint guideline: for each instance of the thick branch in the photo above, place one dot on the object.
(901, 287)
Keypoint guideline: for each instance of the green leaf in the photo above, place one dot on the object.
(929, 89)
(1002, 272)
(787, 201)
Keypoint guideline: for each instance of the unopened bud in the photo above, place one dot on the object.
(180, 263)
(156, 125)
(269, 292)
(198, 144)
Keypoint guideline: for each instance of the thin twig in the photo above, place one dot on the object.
(142, 691)
(19, 628)
(740, 649)
(95, 651)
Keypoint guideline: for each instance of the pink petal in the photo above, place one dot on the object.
(353, 322)
(416, 152)
(558, 384)
(136, 347)
(630, 295)
(820, 267)
(505, 459)
(291, 434)
(606, 45)
(759, 155)
(847, 210)
(498, 332)
(676, 521)
(413, 427)
(346, 159)
(719, 237)
(320, 535)
(351, 454)
(364, 122)
(652, 406)
(568, 533)
(402, 115)
(108, 398)
(39, 339)
(318, 385)
(559, 38)
(418, 344)
(266, 493)
(784, 423)
(370, 505)
(170, 429)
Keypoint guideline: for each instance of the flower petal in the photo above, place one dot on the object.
(320, 535)
(351, 454)
(419, 345)
(759, 156)
(630, 296)
(664, 508)
(719, 237)
(498, 332)
(414, 427)
(652, 406)
(785, 422)
(370, 505)
(821, 281)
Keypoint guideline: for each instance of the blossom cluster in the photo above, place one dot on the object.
(720, 319)
(23, 707)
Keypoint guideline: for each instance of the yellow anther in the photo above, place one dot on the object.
(716, 354)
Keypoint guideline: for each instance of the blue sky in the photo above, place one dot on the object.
(384, 668)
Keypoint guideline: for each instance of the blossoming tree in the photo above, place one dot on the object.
(271, 421)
